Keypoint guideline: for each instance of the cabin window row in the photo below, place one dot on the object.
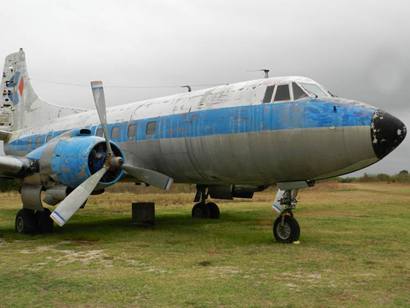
(115, 131)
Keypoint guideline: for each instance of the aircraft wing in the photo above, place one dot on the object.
(11, 166)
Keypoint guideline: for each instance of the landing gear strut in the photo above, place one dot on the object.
(203, 209)
(285, 228)
(31, 221)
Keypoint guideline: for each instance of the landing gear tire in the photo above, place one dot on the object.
(208, 211)
(26, 222)
(44, 222)
(286, 229)
(213, 210)
(200, 210)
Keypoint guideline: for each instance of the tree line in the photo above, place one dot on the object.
(401, 177)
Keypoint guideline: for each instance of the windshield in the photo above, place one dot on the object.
(314, 89)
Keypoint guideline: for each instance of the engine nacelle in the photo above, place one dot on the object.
(56, 194)
(70, 160)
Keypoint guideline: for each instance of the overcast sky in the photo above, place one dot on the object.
(358, 49)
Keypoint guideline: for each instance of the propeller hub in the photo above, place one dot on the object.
(115, 163)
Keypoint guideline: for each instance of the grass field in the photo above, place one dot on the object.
(354, 251)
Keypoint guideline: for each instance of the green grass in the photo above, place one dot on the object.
(354, 251)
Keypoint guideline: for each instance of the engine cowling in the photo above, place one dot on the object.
(71, 160)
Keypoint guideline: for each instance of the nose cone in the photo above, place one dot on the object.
(387, 132)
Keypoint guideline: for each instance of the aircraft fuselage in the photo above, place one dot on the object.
(228, 135)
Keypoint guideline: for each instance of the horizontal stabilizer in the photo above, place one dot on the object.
(150, 177)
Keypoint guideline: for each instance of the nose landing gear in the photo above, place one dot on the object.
(285, 227)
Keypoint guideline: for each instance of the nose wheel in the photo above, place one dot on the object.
(286, 228)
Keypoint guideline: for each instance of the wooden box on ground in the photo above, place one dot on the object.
(143, 213)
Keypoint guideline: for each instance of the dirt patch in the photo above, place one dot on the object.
(82, 242)
(68, 256)
(223, 271)
(85, 257)
(145, 267)
(311, 278)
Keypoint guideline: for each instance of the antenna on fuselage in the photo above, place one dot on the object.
(188, 87)
(265, 70)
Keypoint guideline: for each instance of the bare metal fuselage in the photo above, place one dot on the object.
(226, 135)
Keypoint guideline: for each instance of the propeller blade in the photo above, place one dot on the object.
(150, 177)
(76, 198)
(99, 101)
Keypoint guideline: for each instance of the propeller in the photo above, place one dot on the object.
(99, 100)
(66, 208)
(78, 196)
(151, 177)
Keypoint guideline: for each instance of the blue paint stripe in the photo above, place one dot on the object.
(59, 216)
(309, 113)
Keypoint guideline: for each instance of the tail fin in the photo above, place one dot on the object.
(20, 106)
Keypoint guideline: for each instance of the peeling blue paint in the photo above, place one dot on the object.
(308, 113)
(70, 160)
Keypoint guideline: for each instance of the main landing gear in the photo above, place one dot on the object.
(30, 221)
(203, 209)
(285, 227)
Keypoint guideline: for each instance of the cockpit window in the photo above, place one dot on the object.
(268, 94)
(282, 93)
(297, 91)
(314, 89)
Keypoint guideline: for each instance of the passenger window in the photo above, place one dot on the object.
(115, 132)
(49, 137)
(297, 91)
(39, 140)
(151, 127)
(99, 132)
(132, 131)
(268, 94)
(282, 93)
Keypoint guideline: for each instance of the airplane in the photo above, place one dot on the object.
(230, 140)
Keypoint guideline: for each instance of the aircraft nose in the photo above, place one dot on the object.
(387, 132)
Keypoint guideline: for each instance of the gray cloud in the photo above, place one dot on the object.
(358, 49)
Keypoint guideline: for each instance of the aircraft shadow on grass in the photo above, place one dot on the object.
(94, 228)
